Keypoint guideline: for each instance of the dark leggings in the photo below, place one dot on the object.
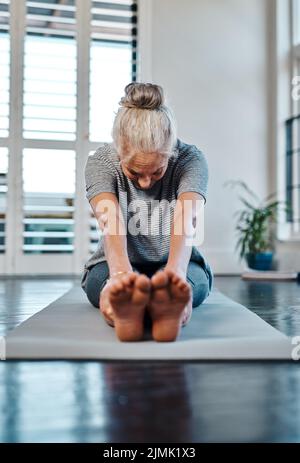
(200, 279)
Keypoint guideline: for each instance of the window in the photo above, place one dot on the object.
(113, 49)
(49, 110)
(67, 63)
(3, 192)
(293, 130)
(4, 66)
(295, 53)
(296, 24)
(4, 115)
(48, 200)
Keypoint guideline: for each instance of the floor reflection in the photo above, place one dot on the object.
(90, 402)
(135, 397)
(154, 402)
(278, 303)
(51, 402)
(151, 401)
(21, 298)
(246, 402)
(10, 403)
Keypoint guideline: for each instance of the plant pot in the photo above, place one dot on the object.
(260, 260)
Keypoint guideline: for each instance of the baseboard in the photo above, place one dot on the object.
(223, 262)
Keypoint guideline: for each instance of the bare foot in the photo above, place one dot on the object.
(128, 298)
(171, 298)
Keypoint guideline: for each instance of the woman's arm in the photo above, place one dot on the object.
(109, 216)
(189, 208)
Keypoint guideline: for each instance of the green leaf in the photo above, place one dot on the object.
(244, 201)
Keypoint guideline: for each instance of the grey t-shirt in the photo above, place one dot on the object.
(148, 226)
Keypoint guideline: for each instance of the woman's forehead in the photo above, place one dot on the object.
(145, 160)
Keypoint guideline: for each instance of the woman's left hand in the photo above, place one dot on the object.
(176, 270)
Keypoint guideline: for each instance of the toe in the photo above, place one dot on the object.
(181, 291)
(141, 291)
(143, 283)
(160, 279)
(185, 286)
(176, 279)
(116, 287)
(169, 272)
(128, 279)
(181, 284)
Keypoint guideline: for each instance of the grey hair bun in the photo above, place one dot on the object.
(143, 96)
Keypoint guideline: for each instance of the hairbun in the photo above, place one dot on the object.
(142, 96)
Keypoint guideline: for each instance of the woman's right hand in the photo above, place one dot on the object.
(119, 275)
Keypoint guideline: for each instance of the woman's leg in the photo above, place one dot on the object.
(95, 281)
(97, 278)
(201, 281)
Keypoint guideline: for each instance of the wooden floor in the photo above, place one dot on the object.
(151, 402)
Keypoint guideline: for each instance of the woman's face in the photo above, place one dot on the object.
(144, 169)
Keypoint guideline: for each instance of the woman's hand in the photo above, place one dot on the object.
(119, 275)
(181, 273)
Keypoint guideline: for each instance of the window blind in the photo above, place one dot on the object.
(50, 71)
(48, 202)
(293, 171)
(112, 61)
(3, 193)
(4, 67)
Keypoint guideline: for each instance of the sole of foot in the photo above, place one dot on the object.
(128, 298)
(169, 297)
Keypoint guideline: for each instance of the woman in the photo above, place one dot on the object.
(143, 268)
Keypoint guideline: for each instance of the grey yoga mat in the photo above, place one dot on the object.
(220, 329)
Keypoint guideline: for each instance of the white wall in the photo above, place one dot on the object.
(211, 58)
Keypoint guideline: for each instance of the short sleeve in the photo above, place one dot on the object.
(192, 172)
(100, 175)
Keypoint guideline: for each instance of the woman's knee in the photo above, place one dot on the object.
(200, 293)
(200, 281)
(96, 279)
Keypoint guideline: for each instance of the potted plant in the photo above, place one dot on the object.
(255, 228)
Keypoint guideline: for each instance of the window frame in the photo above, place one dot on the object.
(283, 52)
(13, 260)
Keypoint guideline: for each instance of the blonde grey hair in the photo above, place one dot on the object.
(144, 123)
